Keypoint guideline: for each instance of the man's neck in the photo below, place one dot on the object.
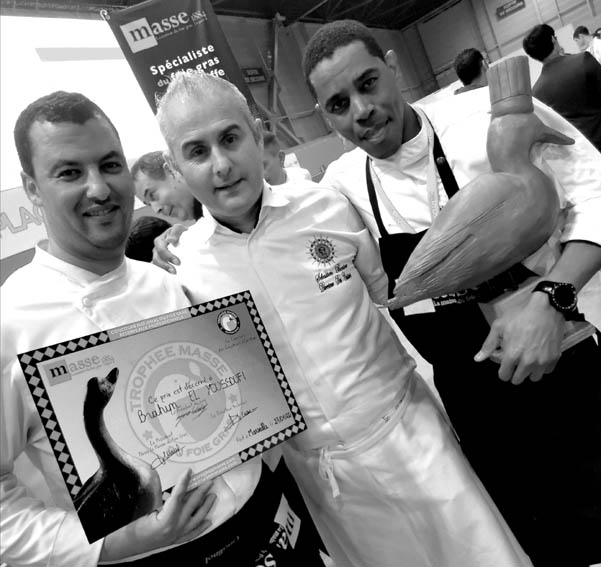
(555, 54)
(243, 224)
(411, 124)
(96, 266)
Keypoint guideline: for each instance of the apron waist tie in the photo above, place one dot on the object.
(326, 471)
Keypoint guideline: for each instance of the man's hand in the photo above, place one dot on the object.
(161, 256)
(530, 340)
(182, 518)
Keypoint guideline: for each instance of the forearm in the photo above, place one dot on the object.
(577, 264)
(33, 534)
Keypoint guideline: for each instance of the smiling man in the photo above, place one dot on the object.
(78, 283)
(378, 466)
(545, 477)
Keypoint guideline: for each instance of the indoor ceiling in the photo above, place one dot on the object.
(390, 14)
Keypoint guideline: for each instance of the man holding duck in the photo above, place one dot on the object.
(531, 427)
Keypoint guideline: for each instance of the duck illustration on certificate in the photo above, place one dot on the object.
(127, 409)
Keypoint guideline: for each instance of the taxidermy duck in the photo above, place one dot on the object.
(499, 218)
(123, 488)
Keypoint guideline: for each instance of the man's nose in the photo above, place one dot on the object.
(222, 164)
(362, 108)
(98, 188)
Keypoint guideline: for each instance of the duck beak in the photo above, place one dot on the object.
(113, 375)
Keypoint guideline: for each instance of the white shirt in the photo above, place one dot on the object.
(297, 174)
(305, 264)
(594, 49)
(46, 302)
(461, 123)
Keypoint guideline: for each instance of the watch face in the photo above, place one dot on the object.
(564, 297)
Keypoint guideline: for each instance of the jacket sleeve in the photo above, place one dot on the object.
(33, 534)
(576, 172)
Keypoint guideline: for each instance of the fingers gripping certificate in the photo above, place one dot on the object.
(128, 409)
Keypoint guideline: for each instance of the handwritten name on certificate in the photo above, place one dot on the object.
(128, 409)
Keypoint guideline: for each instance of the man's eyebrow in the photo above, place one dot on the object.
(229, 129)
(65, 162)
(364, 75)
(111, 155)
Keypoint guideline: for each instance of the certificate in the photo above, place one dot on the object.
(128, 409)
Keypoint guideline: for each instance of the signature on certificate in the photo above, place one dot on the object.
(194, 409)
(236, 418)
(165, 455)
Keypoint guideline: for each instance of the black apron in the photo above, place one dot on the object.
(457, 320)
(551, 429)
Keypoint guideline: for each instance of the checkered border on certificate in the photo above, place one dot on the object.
(29, 363)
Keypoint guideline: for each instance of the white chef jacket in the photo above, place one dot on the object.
(461, 123)
(46, 302)
(297, 174)
(305, 264)
(374, 431)
(595, 49)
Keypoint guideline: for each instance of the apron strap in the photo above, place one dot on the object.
(444, 169)
(373, 199)
(445, 172)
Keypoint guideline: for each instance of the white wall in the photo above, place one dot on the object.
(40, 55)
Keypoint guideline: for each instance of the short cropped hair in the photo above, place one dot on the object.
(140, 241)
(200, 85)
(59, 106)
(330, 37)
(538, 44)
(151, 164)
(468, 65)
(580, 30)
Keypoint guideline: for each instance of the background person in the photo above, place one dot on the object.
(470, 68)
(274, 171)
(569, 84)
(587, 42)
(378, 466)
(544, 478)
(158, 187)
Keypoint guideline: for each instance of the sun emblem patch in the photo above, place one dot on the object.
(322, 250)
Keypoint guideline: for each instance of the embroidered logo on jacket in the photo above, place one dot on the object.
(322, 250)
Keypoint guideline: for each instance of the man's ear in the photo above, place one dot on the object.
(258, 132)
(170, 165)
(31, 189)
(392, 62)
(324, 116)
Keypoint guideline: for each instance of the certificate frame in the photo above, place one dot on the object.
(228, 314)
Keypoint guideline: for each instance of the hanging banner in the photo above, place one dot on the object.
(21, 223)
(159, 38)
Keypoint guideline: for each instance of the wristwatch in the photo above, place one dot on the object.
(562, 296)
